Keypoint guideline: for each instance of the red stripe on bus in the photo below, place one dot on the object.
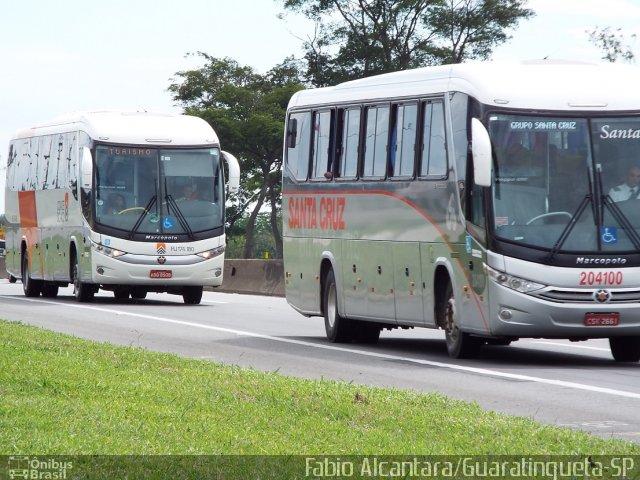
(27, 206)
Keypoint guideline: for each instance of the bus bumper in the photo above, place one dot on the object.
(177, 270)
(516, 314)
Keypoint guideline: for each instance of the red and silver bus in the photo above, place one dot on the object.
(493, 201)
(131, 202)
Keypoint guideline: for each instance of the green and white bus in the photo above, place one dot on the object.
(97, 199)
(484, 199)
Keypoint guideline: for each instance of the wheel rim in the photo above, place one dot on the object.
(331, 305)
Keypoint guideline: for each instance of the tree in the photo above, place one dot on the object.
(471, 29)
(613, 44)
(369, 37)
(247, 110)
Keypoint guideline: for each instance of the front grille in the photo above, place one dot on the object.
(586, 296)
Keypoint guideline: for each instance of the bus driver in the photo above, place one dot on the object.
(628, 190)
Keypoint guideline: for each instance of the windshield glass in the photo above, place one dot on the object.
(566, 183)
(158, 191)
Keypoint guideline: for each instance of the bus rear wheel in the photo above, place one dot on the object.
(459, 344)
(31, 287)
(625, 349)
(192, 295)
(338, 328)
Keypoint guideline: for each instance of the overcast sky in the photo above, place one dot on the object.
(69, 55)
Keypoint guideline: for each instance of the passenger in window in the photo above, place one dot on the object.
(115, 204)
(630, 189)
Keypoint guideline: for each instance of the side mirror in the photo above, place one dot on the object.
(481, 152)
(87, 168)
(292, 132)
(233, 182)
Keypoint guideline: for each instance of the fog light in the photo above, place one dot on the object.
(505, 314)
(100, 270)
(218, 272)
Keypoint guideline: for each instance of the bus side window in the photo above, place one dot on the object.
(434, 154)
(350, 141)
(403, 140)
(299, 144)
(376, 142)
(323, 145)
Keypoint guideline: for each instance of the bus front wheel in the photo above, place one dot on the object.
(192, 295)
(83, 292)
(459, 344)
(625, 349)
(338, 328)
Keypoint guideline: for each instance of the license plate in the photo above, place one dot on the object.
(160, 274)
(602, 319)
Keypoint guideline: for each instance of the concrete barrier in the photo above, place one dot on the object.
(256, 277)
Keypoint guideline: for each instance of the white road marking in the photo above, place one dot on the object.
(571, 345)
(430, 363)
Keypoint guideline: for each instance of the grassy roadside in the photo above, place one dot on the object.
(63, 395)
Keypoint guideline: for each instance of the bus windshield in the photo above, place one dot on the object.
(567, 184)
(158, 191)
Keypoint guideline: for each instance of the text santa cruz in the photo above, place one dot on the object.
(326, 213)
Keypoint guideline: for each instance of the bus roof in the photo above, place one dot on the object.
(545, 85)
(129, 127)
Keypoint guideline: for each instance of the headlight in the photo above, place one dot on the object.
(211, 253)
(514, 283)
(108, 251)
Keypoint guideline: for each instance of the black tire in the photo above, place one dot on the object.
(31, 287)
(338, 328)
(192, 295)
(12, 279)
(83, 292)
(459, 344)
(49, 290)
(121, 293)
(138, 293)
(625, 349)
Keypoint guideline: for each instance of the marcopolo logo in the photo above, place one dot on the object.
(21, 467)
(600, 261)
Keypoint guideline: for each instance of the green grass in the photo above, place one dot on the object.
(63, 395)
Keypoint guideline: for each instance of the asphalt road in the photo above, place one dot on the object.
(577, 385)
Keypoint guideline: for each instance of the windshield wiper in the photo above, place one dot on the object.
(146, 210)
(181, 219)
(620, 217)
(588, 198)
(598, 213)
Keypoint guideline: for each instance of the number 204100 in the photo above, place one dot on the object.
(601, 278)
